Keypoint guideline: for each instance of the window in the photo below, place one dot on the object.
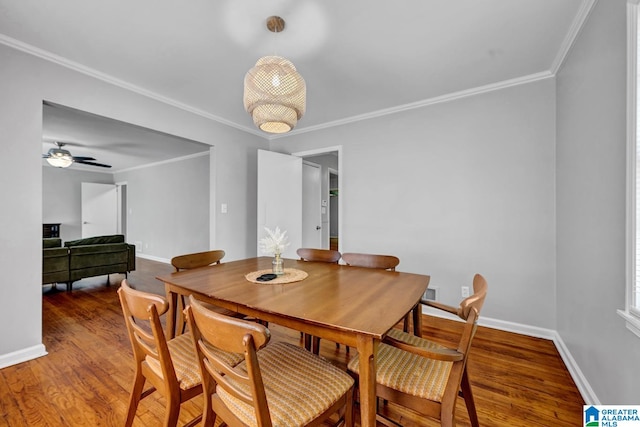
(631, 311)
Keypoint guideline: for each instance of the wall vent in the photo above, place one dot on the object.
(431, 293)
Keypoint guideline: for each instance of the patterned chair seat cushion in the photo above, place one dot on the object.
(408, 372)
(185, 362)
(413, 340)
(298, 386)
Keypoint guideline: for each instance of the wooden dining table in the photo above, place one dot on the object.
(354, 306)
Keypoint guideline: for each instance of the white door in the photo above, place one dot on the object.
(280, 198)
(311, 206)
(99, 209)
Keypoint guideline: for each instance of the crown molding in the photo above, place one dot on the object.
(59, 60)
(163, 162)
(424, 103)
(576, 26)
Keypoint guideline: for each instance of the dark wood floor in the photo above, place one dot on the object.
(85, 378)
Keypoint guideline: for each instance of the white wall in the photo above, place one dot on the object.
(62, 197)
(454, 189)
(168, 207)
(25, 81)
(591, 138)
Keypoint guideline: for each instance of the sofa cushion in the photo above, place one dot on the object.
(97, 240)
(51, 242)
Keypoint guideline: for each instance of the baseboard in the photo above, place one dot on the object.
(578, 377)
(153, 258)
(583, 385)
(23, 355)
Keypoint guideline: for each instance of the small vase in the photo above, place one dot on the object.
(277, 265)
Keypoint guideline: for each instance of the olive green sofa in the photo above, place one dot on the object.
(89, 257)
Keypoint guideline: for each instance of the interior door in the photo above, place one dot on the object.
(280, 198)
(311, 206)
(99, 209)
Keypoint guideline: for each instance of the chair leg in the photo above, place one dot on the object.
(308, 345)
(172, 412)
(465, 385)
(208, 414)
(134, 398)
(405, 322)
(316, 345)
(348, 412)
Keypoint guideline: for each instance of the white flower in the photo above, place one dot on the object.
(275, 242)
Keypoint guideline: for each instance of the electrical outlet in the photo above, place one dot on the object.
(465, 291)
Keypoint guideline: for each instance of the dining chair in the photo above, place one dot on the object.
(319, 255)
(170, 366)
(425, 376)
(279, 384)
(197, 259)
(316, 255)
(188, 262)
(383, 262)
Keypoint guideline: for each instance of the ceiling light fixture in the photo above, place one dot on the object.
(274, 92)
(59, 158)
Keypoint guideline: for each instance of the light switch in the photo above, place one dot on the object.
(223, 208)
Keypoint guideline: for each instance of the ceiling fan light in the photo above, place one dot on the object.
(59, 162)
(275, 94)
(59, 158)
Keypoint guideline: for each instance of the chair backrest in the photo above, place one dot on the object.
(142, 313)
(198, 259)
(213, 331)
(319, 255)
(384, 262)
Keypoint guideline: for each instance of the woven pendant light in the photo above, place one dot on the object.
(274, 91)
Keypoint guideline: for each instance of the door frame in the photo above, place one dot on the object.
(327, 150)
(317, 204)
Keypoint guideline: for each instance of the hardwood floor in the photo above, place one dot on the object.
(86, 377)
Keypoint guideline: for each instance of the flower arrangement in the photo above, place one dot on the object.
(275, 242)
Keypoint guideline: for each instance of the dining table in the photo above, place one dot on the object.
(354, 306)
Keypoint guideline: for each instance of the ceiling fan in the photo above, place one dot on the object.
(62, 158)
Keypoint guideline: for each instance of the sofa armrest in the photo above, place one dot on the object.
(55, 265)
(131, 260)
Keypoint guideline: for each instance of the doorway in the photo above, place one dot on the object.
(333, 209)
(99, 209)
(329, 159)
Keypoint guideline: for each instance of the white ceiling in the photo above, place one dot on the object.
(359, 58)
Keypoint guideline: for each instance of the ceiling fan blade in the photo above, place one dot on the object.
(84, 162)
(81, 158)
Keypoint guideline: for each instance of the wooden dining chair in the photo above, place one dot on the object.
(317, 255)
(279, 384)
(383, 262)
(425, 376)
(188, 262)
(170, 366)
